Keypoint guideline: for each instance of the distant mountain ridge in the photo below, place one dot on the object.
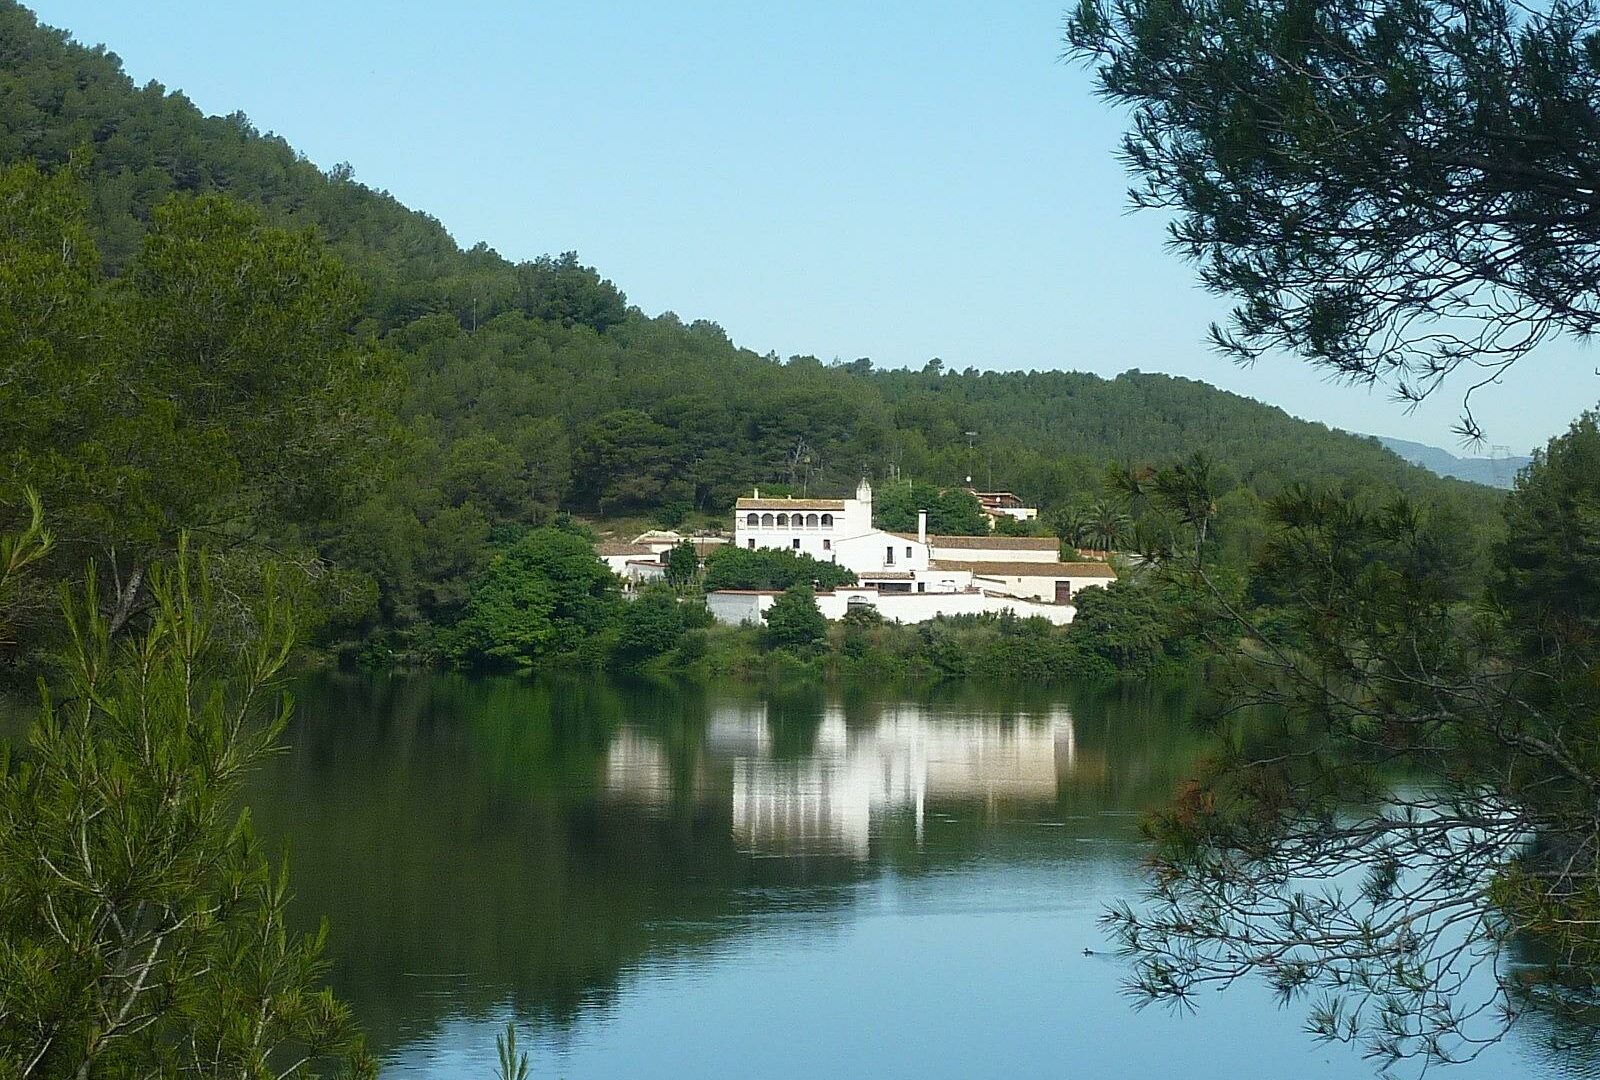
(1497, 472)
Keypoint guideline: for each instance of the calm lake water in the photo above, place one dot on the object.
(726, 882)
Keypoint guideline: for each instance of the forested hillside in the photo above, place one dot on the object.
(528, 389)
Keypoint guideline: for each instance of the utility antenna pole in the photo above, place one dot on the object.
(971, 435)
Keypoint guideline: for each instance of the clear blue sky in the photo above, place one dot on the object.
(894, 180)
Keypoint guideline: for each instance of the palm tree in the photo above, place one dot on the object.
(1107, 525)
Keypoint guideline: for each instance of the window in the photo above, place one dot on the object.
(827, 545)
(783, 520)
(751, 543)
(888, 555)
(908, 551)
(827, 521)
(766, 521)
(811, 521)
(797, 543)
(753, 520)
(922, 586)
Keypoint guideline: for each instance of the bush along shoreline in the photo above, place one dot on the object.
(547, 601)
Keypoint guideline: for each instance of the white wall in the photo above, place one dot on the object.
(1037, 588)
(618, 564)
(818, 540)
(851, 540)
(871, 550)
(920, 607)
(944, 581)
(734, 608)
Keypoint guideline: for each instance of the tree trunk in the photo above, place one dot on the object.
(127, 596)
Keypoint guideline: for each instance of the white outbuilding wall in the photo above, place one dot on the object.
(735, 607)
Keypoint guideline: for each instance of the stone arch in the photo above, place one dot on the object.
(811, 521)
(753, 520)
(827, 521)
(766, 520)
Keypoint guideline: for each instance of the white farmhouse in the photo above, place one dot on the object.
(837, 531)
(910, 577)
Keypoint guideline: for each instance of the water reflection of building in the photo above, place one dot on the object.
(827, 794)
(637, 770)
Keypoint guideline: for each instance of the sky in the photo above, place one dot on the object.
(898, 180)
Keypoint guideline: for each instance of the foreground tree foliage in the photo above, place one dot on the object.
(1403, 820)
(142, 930)
(1394, 189)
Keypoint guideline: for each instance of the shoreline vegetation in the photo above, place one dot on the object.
(424, 406)
(549, 602)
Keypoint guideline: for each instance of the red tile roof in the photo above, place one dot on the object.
(1027, 569)
(789, 504)
(997, 543)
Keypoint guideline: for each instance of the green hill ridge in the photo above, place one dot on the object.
(535, 388)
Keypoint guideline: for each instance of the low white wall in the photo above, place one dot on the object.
(1035, 588)
(735, 608)
(920, 607)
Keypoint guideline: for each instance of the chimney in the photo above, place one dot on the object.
(922, 526)
(756, 493)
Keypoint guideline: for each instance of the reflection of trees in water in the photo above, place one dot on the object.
(1560, 1030)
(474, 841)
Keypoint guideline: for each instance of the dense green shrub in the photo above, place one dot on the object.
(951, 511)
(731, 567)
(793, 621)
(547, 595)
(651, 625)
